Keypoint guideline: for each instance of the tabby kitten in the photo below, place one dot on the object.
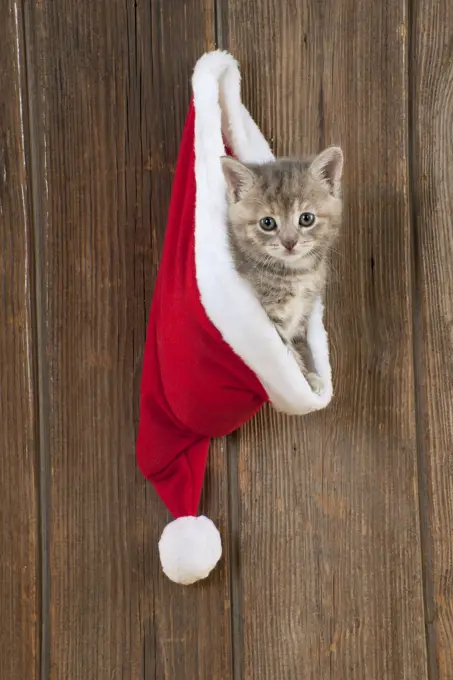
(283, 218)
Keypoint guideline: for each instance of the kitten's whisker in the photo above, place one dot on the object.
(338, 252)
(331, 268)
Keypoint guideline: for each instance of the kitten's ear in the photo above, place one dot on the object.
(328, 167)
(239, 178)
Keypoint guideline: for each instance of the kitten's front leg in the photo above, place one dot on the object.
(316, 383)
(306, 364)
(298, 347)
(311, 377)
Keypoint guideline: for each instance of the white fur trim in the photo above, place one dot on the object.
(189, 549)
(228, 299)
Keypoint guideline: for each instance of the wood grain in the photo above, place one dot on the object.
(432, 139)
(19, 543)
(112, 82)
(330, 574)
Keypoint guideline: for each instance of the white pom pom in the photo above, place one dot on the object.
(189, 549)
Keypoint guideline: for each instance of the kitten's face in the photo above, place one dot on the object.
(287, 210)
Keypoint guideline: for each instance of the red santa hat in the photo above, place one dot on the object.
(212, 355)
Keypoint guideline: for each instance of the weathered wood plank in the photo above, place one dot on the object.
(432, 110)
(330, 578)
(19, 542)
(113, 85)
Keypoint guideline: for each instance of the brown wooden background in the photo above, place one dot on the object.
(338, 527)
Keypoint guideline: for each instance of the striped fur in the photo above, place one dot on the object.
(286, 267)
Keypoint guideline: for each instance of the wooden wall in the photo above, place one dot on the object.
(338, 527)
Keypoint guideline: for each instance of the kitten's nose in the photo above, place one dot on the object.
(290, 244)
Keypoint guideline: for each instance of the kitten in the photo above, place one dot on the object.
(283, 218)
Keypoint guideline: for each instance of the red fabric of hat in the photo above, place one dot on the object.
(212, 356)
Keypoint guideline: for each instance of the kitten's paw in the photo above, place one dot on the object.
(316, 383)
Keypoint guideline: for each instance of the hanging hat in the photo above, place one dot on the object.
(212, 355)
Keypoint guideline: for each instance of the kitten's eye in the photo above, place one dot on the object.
(306, 219)
(268, 224)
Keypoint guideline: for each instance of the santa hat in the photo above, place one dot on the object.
(212, 355)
